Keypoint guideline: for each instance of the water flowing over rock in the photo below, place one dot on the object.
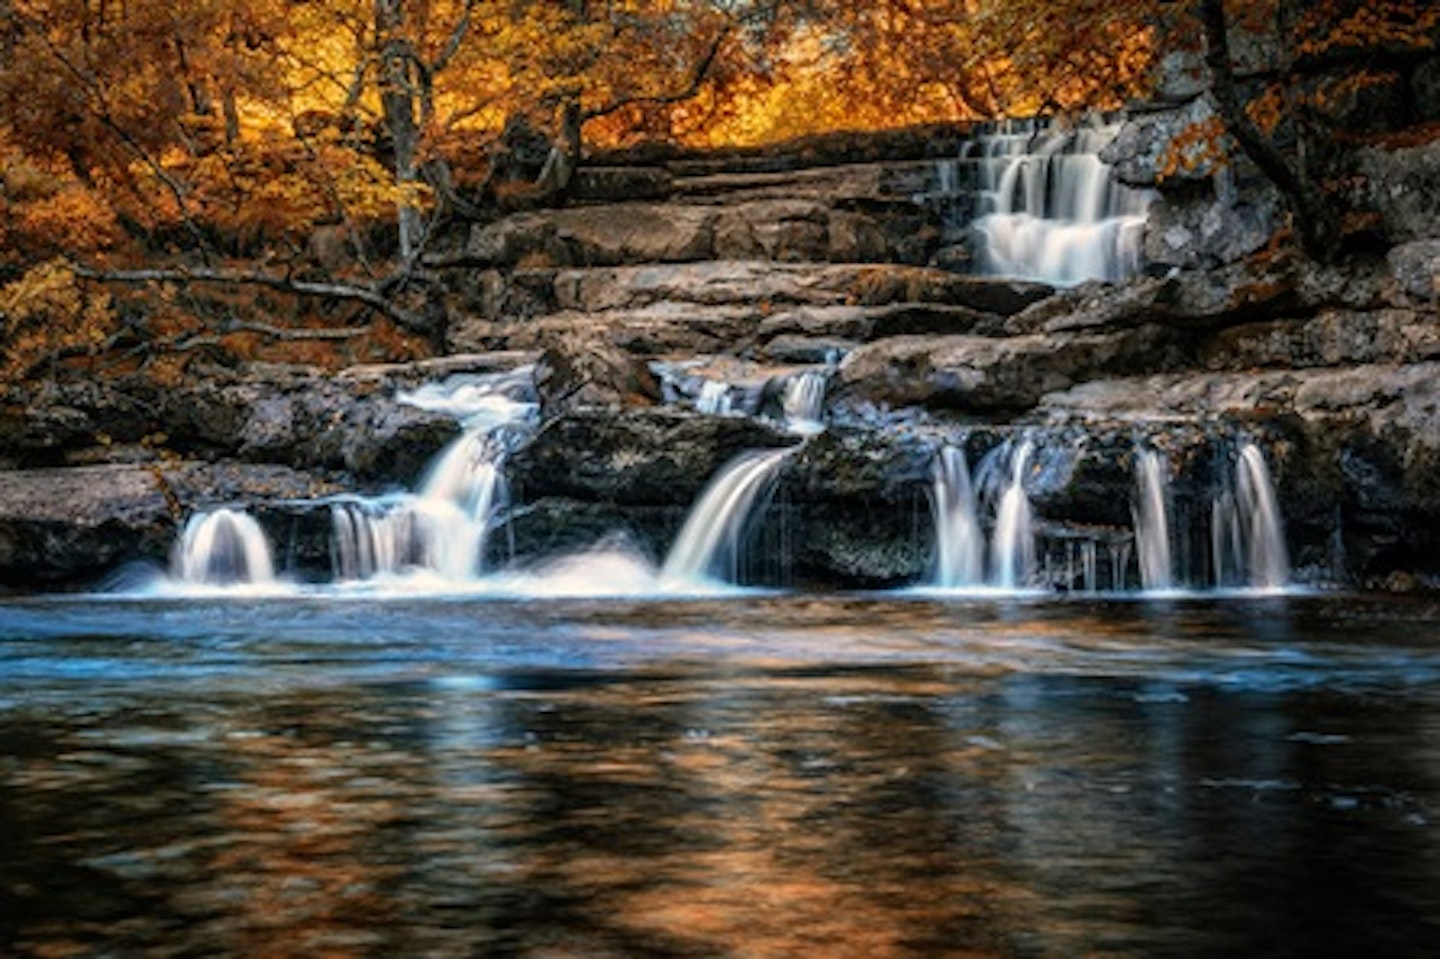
(1152, 522)
(959, 541)
(444, 526)
(1052, 210)
(1012, 548)
(1231, 419)
(709, 544)
(223, 548)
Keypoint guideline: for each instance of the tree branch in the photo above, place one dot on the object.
(1316, 223)
(365, 296)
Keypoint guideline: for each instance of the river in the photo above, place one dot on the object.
(752, 775)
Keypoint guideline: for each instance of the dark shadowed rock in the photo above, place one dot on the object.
(1404, 186)
(66, 527)
(640, 457)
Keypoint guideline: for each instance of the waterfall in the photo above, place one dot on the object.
(712, 534)
(803, 402)
(1013, 547)
(714, 399)
(1152, 522)
(223, 548)
(1247, 536)
(444, 526)
(1051, 210)
(960, 544)
(1261, 521)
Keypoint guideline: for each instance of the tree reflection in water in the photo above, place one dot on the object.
(974, 781)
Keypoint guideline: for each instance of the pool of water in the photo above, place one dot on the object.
(746, 776)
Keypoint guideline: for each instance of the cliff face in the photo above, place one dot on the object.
(661, 276)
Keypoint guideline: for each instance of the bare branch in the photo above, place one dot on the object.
(335, 291)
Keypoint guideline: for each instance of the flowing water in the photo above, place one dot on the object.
(745, 776)
(1051, 210)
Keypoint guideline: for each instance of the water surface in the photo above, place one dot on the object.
(746, 776)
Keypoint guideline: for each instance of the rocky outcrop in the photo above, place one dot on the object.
(73, 526)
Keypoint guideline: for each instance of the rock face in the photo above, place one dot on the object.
(68, 526)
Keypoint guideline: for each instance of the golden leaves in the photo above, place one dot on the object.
(1196, 146)
(46, 312)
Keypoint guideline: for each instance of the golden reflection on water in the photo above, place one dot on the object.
(951, 787)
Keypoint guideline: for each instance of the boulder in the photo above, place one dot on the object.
(989, 375)
(68, 527)
(1142, 150)
(1212, 223)
(1404, 187)
(1415, 270)
(636, 457)
(578, 371)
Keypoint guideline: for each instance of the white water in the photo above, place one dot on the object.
(1012, 550)
(442, 528)
(1247, 533)
(1051, 211)
(223, 548)
(715, 399)
(803, 402)
(960, 543)
(1261, 521)
(1152, 522)
(708, 546)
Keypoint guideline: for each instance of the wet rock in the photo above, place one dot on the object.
(640, 457)
(68, 527)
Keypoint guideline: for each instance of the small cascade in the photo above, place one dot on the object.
(1247, 536)
(711, 538)
(1152, 522)
(803, 402)
(960, 543)
(1247, 531)
(1012, 548)
(443, 527)
(715, 399)
(1051, 210)
(223, 548)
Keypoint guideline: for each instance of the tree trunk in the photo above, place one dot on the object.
(397, 101)
(1316, 221)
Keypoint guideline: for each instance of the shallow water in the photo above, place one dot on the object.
(745, 776)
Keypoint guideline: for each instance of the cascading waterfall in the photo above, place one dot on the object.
(1152, 522)
(715, 399)
(803, 402)
(223, 548)
(711, 538)
(444, 526)
(1012, 549)
(1247, 535)
(1051, 210)
(960, 543)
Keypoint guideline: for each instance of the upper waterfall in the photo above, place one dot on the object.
(1049, 209)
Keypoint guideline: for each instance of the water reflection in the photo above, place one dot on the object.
(707, 780)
